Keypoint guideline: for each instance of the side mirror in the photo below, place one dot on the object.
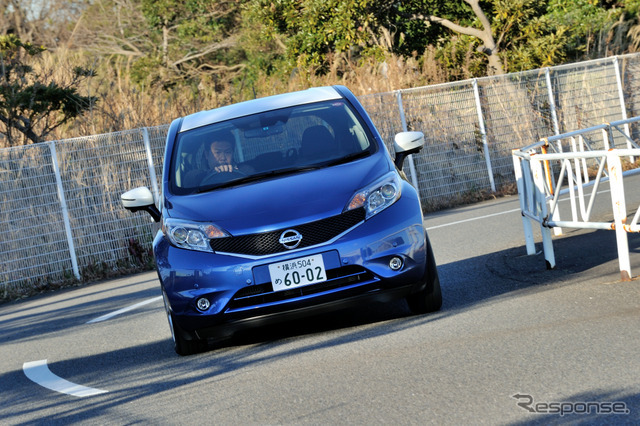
(141, 199)
(407, 143)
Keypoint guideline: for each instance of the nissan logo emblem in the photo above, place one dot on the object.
(290, 238)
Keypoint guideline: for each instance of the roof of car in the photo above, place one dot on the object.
(316, 94)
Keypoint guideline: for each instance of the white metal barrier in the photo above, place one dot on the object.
(585, 158)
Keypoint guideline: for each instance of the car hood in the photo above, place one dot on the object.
(281, 201)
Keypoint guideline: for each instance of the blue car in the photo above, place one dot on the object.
(284, 206)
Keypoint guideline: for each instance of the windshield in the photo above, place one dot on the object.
(276, 142)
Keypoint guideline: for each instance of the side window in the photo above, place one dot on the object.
(360, 137)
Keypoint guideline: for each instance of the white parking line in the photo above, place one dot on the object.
(123, 310)
(38, 372)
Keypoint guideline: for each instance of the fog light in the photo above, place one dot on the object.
(395, 263)
(203, 304)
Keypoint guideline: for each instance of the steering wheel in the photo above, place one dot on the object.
(214, 177)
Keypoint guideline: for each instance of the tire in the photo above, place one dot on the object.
(181, 344)
(429, 299)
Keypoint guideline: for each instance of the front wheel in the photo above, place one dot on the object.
(181, 344)
(429, 299)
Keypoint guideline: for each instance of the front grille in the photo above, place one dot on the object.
(268, 243)
(263, 293)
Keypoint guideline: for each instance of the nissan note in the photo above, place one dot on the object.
(284, 206)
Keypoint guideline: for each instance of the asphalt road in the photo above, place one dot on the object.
(514, 343)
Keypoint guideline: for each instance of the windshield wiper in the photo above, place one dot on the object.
(255, 177)
(281, 172)
(348, 158)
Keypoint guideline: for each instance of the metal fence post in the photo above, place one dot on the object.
(623, 107)
(556, 130)
(540, 200)
(522, 196)
(152, 170)
(403, 120)
(552, 101)
(619, 213)
(483, 133)
(64, 209)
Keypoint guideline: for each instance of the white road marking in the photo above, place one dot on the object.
(496, 214)
(472, 219)
(38, 372)
(123, 310)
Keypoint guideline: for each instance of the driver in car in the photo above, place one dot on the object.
(222, 152)
(216, 159)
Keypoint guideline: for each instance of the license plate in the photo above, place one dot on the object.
(297, 272)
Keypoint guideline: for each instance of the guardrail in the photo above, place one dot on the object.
(585, 158)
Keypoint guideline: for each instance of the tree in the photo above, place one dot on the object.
(525, 35)
(489, 46)
(511, 35)
(487, 34)
(307, 32)
(167, 42)
(595, 28)
(32, 102)
(39, 22)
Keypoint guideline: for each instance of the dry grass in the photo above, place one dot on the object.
(122, 105)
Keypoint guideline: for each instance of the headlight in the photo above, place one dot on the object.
(377, 196)
(191, 235)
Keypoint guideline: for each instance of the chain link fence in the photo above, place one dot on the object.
(471, 126)
(60, 211)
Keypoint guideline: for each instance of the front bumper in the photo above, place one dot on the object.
(239, 288)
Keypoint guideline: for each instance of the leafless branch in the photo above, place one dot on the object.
(224, 44)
